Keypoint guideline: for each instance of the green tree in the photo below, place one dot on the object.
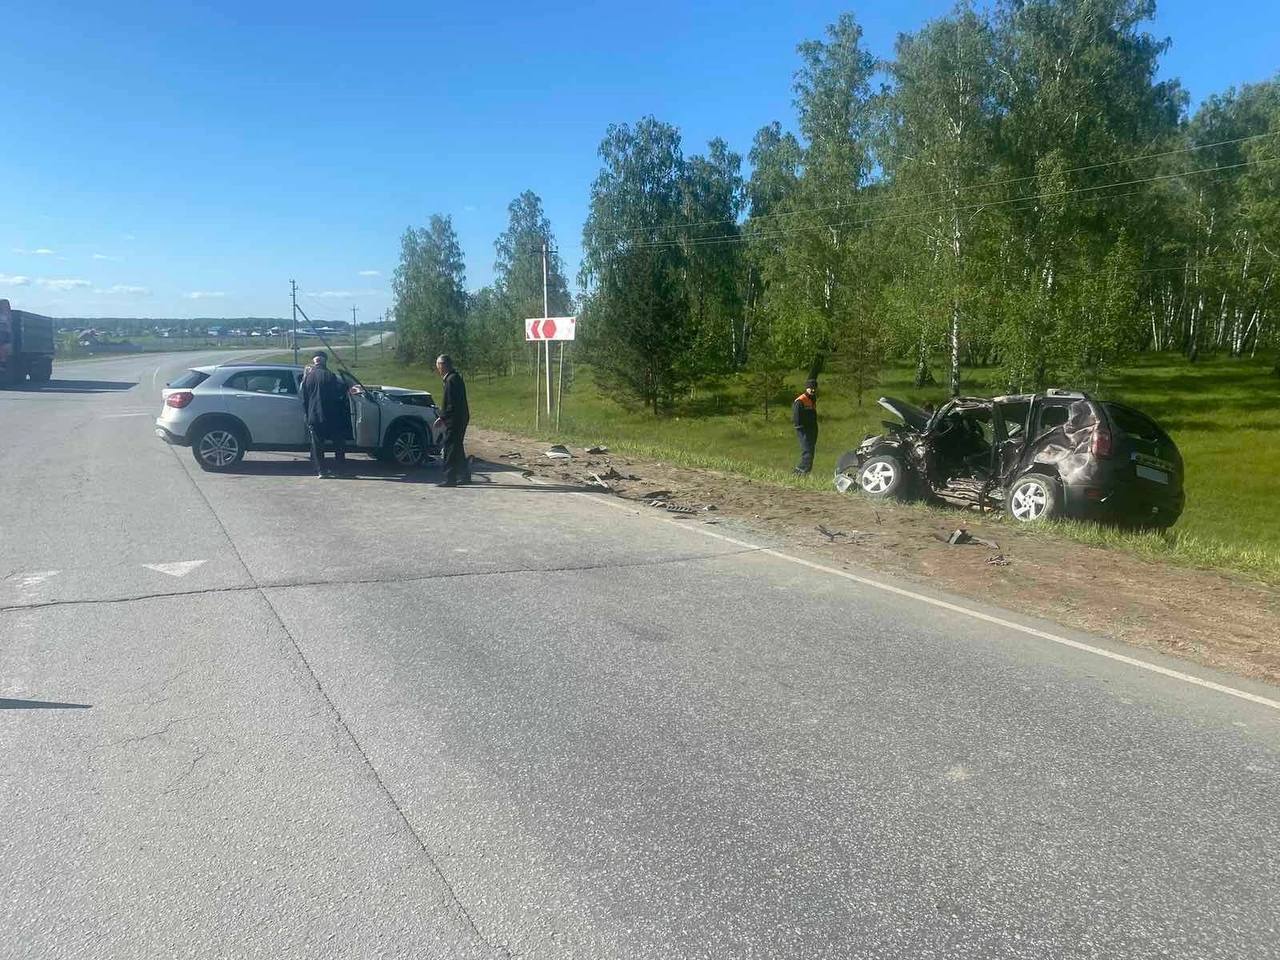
(712, 198)
(429, 287)
(939, 145)
(812, 279)
(1080, 103)
(637, 326)
(518, 272)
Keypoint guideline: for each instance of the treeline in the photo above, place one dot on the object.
(1013, 188)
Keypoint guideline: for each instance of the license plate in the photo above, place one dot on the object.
(1159, 476)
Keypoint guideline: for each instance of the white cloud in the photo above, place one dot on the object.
(126, 289)
(333, 295)
(10, 280)
(204, 294)
(128, 236)
(370, 273)
(103, 256)
(63, 283)
(39, 252)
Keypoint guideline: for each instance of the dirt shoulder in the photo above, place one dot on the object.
(1215, 619)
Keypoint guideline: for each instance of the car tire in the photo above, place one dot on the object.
(407, 445)
(218, 446)
(884, 478)
(1033, 498)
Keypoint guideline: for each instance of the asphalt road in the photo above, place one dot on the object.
(260, 714)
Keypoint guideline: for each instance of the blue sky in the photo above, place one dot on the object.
(165, 160)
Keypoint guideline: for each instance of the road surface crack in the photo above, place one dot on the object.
(256, 585)
(502, 950)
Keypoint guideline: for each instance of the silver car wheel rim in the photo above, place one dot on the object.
(878, 477)
(219, 448)
(1029, 502)
(406, 448)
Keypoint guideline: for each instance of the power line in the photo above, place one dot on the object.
(900, 198)
(952, 208)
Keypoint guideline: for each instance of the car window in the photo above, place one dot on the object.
(1014, 416)
(192, 378)
(1052, 415)
(263, 381)
(1135, 424)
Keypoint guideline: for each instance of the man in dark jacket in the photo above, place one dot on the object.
(324, 401)
(804, 417)
(454, 416)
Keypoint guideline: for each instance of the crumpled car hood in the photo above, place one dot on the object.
(908, 413)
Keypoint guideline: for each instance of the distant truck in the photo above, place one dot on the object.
(26, 346)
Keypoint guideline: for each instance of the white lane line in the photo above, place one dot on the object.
(177, 568)
(956, 608)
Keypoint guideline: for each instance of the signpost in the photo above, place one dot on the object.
(543, 330)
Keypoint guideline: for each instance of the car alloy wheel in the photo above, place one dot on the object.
(1028, 501)
(219, 448)
(407, 447)
(878, 477)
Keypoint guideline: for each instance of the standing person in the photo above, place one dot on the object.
(324, 401)
(804, 417)
(454, 416)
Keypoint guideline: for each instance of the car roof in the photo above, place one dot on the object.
(256, 364)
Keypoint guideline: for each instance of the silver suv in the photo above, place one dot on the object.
(221, 412)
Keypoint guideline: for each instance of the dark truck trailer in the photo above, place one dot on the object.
(26, 346)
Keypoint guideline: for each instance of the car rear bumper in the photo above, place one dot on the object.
(168, 436)
(1127, 502)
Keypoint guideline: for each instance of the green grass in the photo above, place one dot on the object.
(1223, 413)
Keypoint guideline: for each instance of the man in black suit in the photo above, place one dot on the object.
(324, 401)
(454, 416)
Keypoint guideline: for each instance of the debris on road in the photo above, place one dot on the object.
(513, 455)
(559, 452)
(599, 481)
(830, 534)
(998, 560)
(961, 536)
(597, 449)
(656, 495)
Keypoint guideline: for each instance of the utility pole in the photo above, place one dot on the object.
(546, 312)
(382, 335)
(355, 345)
(294, 285)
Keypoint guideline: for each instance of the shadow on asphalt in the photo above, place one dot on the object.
(7, 704)
(482, 472)
(74, 386)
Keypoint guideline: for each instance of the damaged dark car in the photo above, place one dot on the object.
(1037, 456)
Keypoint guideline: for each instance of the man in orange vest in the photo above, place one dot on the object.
(804, 417)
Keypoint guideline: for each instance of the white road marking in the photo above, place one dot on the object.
(955, 608)
(27, 582)
(177, 568)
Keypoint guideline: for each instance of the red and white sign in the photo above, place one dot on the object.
(550, 328)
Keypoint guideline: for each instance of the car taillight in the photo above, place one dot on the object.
(1102, 446)
(179, 399)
